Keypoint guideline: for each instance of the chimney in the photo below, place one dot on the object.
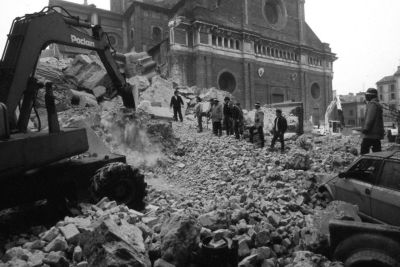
(85, 2)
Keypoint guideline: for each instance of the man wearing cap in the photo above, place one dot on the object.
(237, 116)
(280, 127)
(228, 116)
(372, 131)
(176, 104)
(216, 117)
(258, 125)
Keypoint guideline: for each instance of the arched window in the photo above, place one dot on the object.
(315, 90)
(227, 82)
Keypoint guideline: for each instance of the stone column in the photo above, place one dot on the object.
(200, 71)
(246, 83)
(251, 84)
(210, 82)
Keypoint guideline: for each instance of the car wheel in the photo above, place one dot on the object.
(368, 250)
(120, 182)
(327, 196)
(370, 258)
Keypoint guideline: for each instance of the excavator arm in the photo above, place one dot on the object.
(21, 150)
(31, 34)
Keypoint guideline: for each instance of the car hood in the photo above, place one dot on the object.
(328, 179)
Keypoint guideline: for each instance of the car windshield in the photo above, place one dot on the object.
(365, 170)
(391, 175)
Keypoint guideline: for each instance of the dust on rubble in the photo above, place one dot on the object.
(206, 188)
(142, 140)
(262, 205)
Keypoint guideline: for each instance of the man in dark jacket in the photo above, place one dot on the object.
(176, 104)
(228, 122)
(237, 117)
(373, 130)
(280, 127)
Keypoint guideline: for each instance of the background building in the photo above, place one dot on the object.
(353, 107)
(389, 93)
(259, 50)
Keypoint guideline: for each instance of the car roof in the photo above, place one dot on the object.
(385, 155)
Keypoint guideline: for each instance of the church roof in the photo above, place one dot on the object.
(312, 39)
(387, 79)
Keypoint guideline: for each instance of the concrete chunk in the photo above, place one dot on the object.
(70, 232)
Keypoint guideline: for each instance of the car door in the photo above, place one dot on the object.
(385, 196)
(356, 189)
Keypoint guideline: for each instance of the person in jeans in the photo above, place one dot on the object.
(280, 127)
(372, 131)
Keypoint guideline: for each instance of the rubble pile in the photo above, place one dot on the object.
(104, 234)
(158, 93)
(253, 197)
(143, 140)
(86, 72)
(83, 77)
(210, 93)
(262, 206)
(51, 69)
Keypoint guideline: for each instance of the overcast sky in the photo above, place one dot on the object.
(365, 35)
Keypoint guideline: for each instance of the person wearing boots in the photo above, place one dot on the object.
(258, 125)
(176, 104)
(280, 127)
(216, 117)
(373, 130)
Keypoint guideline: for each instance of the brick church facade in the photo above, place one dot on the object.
(259, 50)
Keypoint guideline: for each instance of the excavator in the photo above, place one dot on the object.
(61, 163)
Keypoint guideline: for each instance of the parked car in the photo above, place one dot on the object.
(372, 183)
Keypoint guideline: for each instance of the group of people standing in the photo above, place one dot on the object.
(230, 115)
